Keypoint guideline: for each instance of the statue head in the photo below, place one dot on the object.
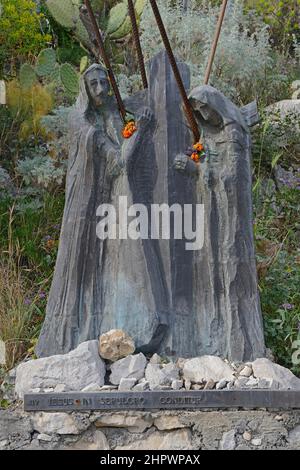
(214, 108)
(94, 88)
(209, 114)
(97, 85)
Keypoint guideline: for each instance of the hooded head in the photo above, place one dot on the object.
(94, 88)
(215, 108)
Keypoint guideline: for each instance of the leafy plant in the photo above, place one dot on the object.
(245, 66)
(41, 171)
(21, 33)
(47, 67)
(112, 17)
(283, 18)
(27, 106)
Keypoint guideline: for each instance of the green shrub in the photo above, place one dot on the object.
(282, 16)
(277, 234)
(21, 34)
(245, 66)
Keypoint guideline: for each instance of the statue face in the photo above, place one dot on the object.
(98, 87)
(209, 115)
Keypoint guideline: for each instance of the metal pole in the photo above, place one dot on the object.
(215, 42)
(106, 60)
(188, 108)
(136, 37)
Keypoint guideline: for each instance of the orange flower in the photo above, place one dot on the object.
(198, 146)
(195, 157)
(129, 129)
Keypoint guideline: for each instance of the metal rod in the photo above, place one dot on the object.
(106, 60)
(215, 42)
(137, 42)
(188, 108)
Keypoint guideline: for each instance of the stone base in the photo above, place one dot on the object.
(164, 430)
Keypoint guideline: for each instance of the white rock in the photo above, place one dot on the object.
(180, 362)
(54, 423)
(158, 376)
(252, 383)
(168, 422)
(256, 442)
(115, 344)
(177, 384)
(49, 390)
(228, 441)
(76, 369)
(155, 359)
(187, 384)
(241, 382)
(222, 384)
(206, 368)
(129, 367)
(135, 424)
(2, 353)
(4, 443)
(230, 385)
(267, 383)
(197, 387)
(44, 437)
(60, 388)
(210, 385)
(127, 384)
(265, 369)
(294, 437)
(247, 436)
(246, 371)
(92, 388)
(108, 388)
(180, 439)
(284, 108)
(97, 441)
(141, 387)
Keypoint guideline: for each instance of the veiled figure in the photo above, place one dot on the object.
(227, 314)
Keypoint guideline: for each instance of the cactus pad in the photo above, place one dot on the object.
(46, 62)
(117, 17)
(64, 12)
(27, 76)
(69, 78)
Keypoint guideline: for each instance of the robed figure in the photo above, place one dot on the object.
(101, 284)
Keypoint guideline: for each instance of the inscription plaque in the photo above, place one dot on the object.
(165, 400)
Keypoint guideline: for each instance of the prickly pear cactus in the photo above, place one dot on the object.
(139, 6)
(117, 16)
(124, 29)
(119, 24)
(27, 76)
(69, 79)
(81, 33)
(65, 12)
(84, 63)
(55, 74)
(45, 63)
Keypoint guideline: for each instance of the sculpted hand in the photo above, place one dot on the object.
(145, 118)
(180, 162)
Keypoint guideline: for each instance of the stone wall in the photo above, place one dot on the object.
(162, 430)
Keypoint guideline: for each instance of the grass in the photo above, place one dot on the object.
(28, 246)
